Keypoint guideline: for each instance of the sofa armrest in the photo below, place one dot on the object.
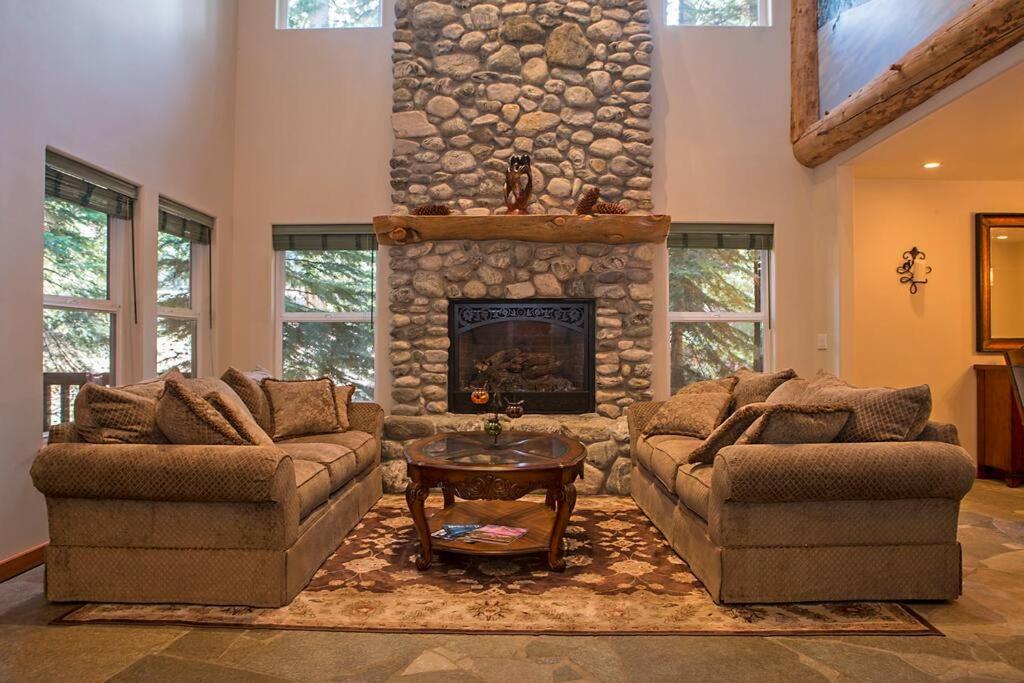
(840, 471)
(164, 472)
(939, 431)
(367, 417)
(638, 415)
(64, 432)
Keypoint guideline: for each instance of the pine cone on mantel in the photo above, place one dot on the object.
(431, 210)
(609, 207)
(585, 205)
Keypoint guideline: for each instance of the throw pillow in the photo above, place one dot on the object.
(879, 413)
(302, 407)
(238, 417)
(695, 410)
(117, 415)
(343, 396)
(755, 387)
(786, 424)
(792, 392)
(247, 386)
(185, 417)
(727, 433)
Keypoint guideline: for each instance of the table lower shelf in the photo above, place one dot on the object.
(537, 518)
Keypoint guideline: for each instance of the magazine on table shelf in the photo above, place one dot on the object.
(480, 533)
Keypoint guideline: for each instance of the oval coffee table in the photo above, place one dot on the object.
(490, 476)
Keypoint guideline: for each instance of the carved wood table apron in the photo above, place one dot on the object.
(490, 475)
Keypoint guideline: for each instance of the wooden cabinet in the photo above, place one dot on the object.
(1000, 430)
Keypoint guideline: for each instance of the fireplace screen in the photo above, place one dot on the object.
(541, 351)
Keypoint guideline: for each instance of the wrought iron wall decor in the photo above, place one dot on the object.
(913, 271)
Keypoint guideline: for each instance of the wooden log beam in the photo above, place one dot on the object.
(805, 105)
(985, 30)
(602, 228)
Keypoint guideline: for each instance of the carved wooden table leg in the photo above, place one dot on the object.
(549, 499)
(566, 501)
(449, 496)
(415, 496)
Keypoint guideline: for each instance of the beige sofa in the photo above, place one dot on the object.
(217, 525)
(809, 522)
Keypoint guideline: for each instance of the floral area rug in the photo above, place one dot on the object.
(622, 578)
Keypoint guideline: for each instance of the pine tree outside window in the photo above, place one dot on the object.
(86, 226)
(719, 300)
(326, 293)
(743, 13)
(309, 14)
(183, 282)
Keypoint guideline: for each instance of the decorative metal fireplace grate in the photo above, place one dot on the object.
(540, 350)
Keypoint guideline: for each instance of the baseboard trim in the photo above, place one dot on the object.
(22, 562)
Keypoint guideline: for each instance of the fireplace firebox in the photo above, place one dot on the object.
(539, 350)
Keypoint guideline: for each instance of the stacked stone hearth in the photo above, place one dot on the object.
(475, 82)
(426, 275)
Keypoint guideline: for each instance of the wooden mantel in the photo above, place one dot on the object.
(602, 228)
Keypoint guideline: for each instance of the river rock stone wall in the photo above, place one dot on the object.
(476, 81)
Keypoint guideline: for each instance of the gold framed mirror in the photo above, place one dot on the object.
(1000, 268)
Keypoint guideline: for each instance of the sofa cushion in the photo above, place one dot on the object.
(878, 414)
(185, 417)
(247, 386)
(693, 487)
(364, 445)
(116, 415)
(695, 410)
(340, 461)
(313, 484)
(727, 433)
(756, 387)
(301, 407)
(664, 453)
(782, 424)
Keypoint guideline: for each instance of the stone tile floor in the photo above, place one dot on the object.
(984, 639)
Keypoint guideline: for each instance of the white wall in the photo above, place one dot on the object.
(313, 141)
(143, 90)
(897, 339)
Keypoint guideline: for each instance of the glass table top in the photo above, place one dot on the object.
(513, 449)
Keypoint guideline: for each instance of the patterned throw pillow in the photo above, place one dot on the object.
(238, 417)
(185, 417)
(878, 414)
(247, 386)
(117, 415)
(756, 387)
(727, 433)
(695, 410)
(343, 396)
(300, 407)
(791, 391)
(785, 424)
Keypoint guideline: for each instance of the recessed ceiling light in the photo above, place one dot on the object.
(1002, 237)
(933, 164)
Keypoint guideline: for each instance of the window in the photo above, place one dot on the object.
(327, 288)
(719, 305)
(86, 218)
(328, 13)
(182, 283)
(717, 12)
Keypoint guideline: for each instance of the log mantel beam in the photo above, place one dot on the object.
(566, 229)
(983, 31)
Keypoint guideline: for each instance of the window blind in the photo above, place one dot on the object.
(178, 219)
(757, 236)
(79, 184)
(331, 237)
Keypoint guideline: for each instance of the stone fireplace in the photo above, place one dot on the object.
(539, 351)
(433, 282)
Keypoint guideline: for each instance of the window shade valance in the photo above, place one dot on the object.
(757, 236)
(334, 237)
(83, 185)
(178, 219)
